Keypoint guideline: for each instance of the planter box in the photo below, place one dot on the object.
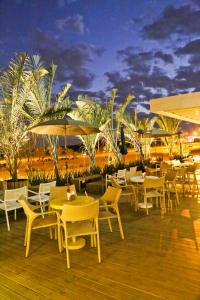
(97, 187)
(16, 184)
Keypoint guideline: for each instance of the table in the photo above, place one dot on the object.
(85, 179)
(140, 179)
(57, 204)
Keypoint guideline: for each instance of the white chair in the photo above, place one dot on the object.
(10, 201)
(121, 176)
(129, 191)
(43, 195)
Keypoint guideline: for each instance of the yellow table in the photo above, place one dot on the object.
(57, 204)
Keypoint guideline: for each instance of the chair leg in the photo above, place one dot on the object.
(109, 221)
(120, 224)
(7, 220)
(91, 241)
(28, 240)
(51, 232)
(67, 251)
(26, 233)
(110, 225)
(42, 210)
(98, 241)
(15, 214)
(60, 239)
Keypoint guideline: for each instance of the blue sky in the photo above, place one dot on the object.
(150, 48)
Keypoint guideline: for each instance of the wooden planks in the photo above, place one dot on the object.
(159, 259)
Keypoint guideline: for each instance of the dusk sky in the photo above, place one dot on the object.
(150, 48)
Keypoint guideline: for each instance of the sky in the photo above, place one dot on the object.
(150, 48)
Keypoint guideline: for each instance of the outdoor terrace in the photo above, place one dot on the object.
(159, 259)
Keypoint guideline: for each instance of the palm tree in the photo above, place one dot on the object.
(172, 126)
(41, 104)
(15, 86)
(116, 117)
(133, 131)
(88, 110)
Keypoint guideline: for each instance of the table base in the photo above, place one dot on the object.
(75, 244)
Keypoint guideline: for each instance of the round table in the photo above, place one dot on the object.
(57, 204)
(79, 200)
(140, 179)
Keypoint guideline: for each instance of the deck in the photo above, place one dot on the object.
(159, 259)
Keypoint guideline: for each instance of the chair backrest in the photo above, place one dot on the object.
(121, 174)
(71, 213)
(112, 194)
(58, 192)
(26, 206)
(164, 168)
(154, 183)
(44, 188)
(180, 172)
(115, 183)
(175, 162)
(72, 188)
(15, 194)
(170, 175)
(133, 171)
(191, 169)
(197, 165)
(61, 191)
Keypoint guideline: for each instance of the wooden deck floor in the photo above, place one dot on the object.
(159, 259)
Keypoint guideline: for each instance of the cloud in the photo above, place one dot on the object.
(138, 62)
(141, 109)
(72, 23)
(146, 76)
(187, 78)
(71, 60)
(190, 48)
(181, 20)
(99, 51)
(165, 57)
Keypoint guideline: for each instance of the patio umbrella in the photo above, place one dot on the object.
(155, 133)
(65, 127)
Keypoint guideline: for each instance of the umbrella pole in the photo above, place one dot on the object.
(66, 164)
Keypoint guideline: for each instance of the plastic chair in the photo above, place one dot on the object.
(180, 180)
(10, 202)
(127, 190)
(153, 188)
(121, 176)
(60, 192)
(164, 168)
(170, 185)
(80, 220)
(36, 220)
(109, 207)
(191, 178)
(43, 195)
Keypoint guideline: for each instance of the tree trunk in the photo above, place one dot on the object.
(12, 166)
(92, 159)
(53, 148)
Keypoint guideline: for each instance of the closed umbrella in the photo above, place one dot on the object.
(123, 149)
